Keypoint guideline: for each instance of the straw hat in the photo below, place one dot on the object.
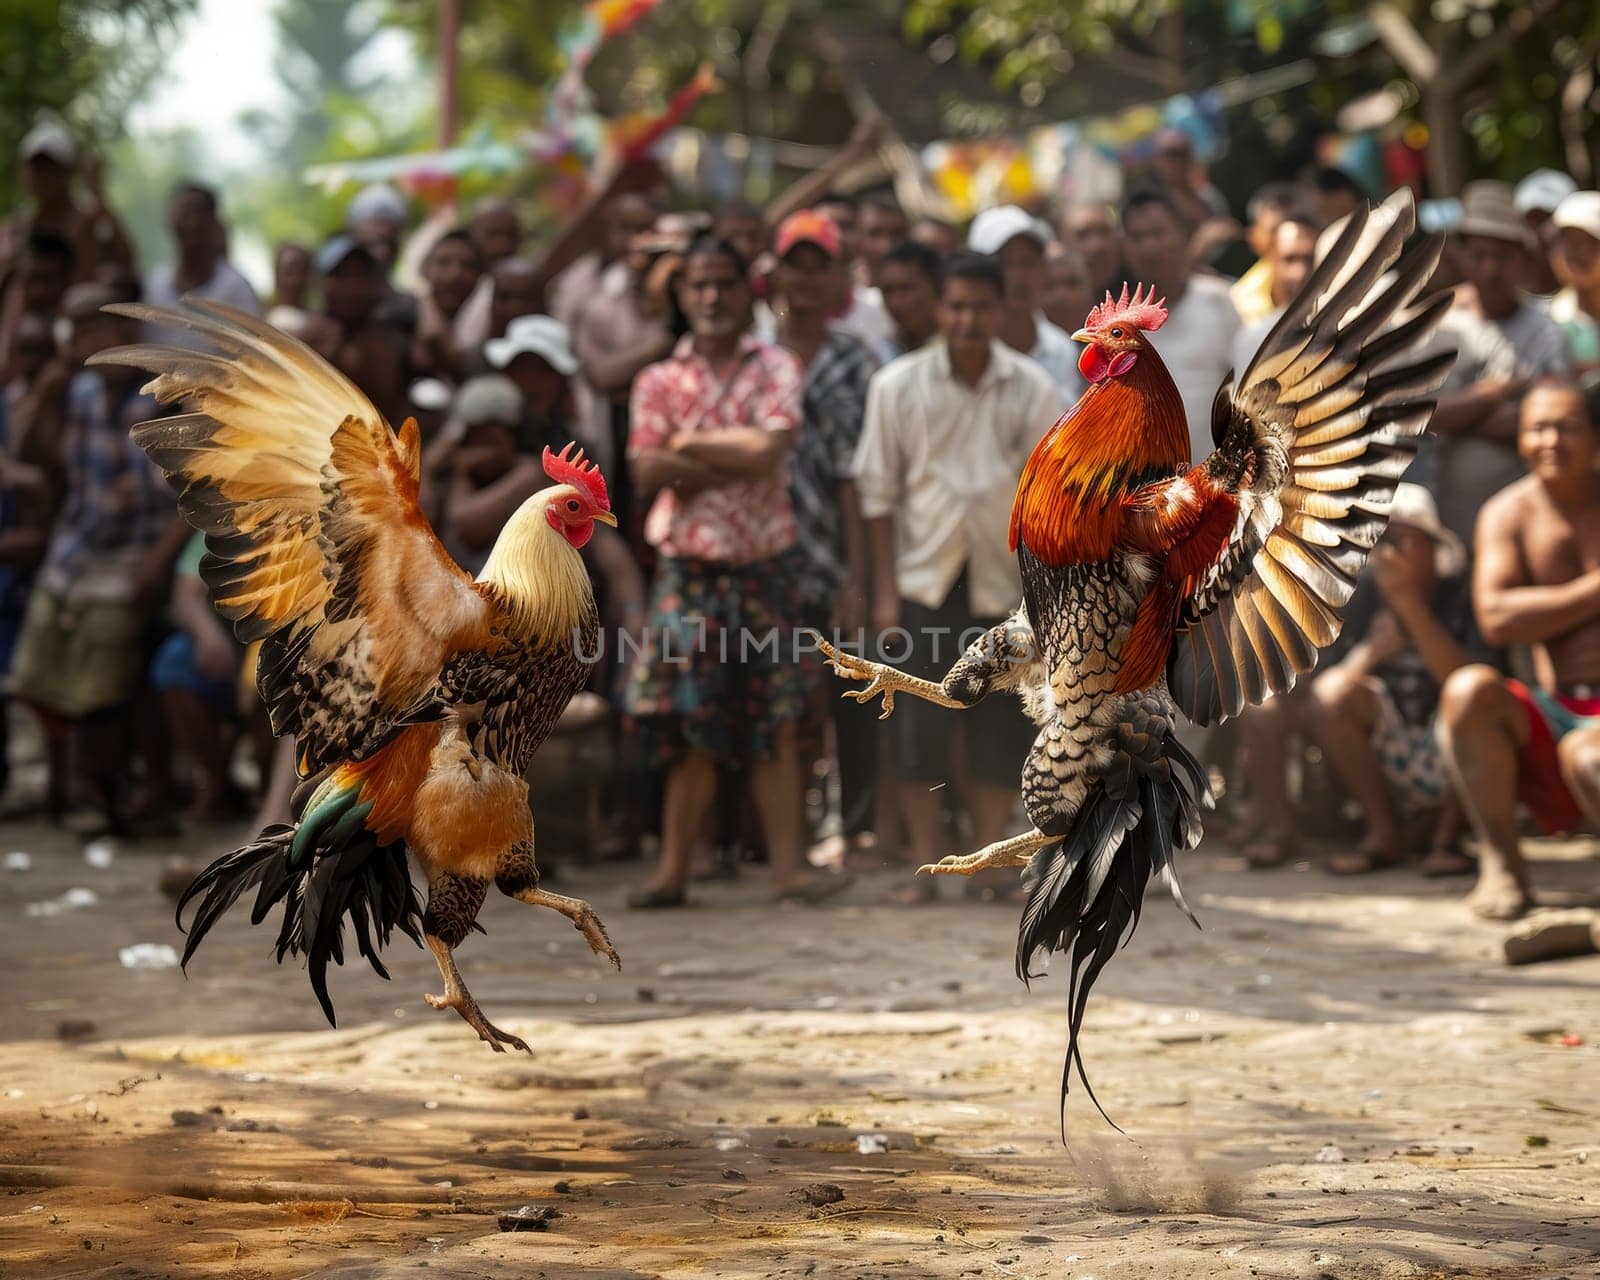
(1489, 209)
(1414, 507)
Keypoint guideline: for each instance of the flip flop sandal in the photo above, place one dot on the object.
(816, 891)
(1447, 862)
(1360, 862)
(657, 899)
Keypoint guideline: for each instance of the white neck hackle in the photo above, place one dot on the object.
(539, 574)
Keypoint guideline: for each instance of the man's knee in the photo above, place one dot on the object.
(1579, 754)
(1340, 692)
(1470, 694)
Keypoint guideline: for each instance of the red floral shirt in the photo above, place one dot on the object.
(761, 387)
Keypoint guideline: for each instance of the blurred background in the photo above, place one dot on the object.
(1025, 100)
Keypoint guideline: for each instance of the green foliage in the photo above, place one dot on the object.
(338, 113)
(86, 59)
(319, 42)
(1510, 116)
(508, 54)
(140, 175)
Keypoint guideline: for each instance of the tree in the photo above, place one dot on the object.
(88, 60)
(319, 44)
(337, 113)
(1503, 86)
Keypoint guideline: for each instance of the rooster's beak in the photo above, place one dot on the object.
(605, 517)
(1083, 335)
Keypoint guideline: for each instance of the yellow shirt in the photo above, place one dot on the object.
(1252, 292)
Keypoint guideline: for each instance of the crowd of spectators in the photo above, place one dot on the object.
(813, 415)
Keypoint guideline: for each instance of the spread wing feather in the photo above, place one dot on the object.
(1312, 441)
(315, 542)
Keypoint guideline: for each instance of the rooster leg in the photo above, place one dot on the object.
(1015, 852)
(457, 997)
(582, 916)
(517, 876)
(883, 680)
(453, 904)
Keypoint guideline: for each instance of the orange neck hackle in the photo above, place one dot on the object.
(1123, 431)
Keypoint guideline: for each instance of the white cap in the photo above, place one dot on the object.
(380, 200)
(993, 229)
(537, 335)
(1543, 189)
(49, 137)
(490, 397)
(1414, 506)
(1581, 212)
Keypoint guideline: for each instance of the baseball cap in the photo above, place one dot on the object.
(490, 397)
(49, 137)
(338, 250)
(808, 227)
(995, 228)
(1581, 212)
(380, 200)
(542, 336)
(1543, 189)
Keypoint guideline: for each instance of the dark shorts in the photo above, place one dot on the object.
(922, 736)
(175, 667)
(724, 666)
(1540, 786)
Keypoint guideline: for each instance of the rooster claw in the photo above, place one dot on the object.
(472, 1015)
(849, 667)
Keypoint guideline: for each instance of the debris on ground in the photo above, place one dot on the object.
(74, 899)
(1552, 935)
(148, 955)
(529, 1218)
(100, 853)
(820, 1194)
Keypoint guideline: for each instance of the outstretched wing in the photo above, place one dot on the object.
(317, 546)
(1313, 440)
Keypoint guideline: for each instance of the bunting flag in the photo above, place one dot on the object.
(1079, 159)
(630, 137)
(421, 170)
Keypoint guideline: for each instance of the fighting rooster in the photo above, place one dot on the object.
(416, 695)
(1151, 586)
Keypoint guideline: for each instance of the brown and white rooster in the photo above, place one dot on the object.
(417, 696)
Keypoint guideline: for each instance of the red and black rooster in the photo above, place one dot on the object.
(1151, 586)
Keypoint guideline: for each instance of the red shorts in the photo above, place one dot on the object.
(1539, 783)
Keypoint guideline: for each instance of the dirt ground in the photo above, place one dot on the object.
(1333, 1079)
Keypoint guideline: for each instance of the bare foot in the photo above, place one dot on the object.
(1498, 895)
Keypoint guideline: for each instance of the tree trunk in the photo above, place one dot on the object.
(1446, 148)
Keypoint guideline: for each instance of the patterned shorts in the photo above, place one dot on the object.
(1409, 754)
(724, 665)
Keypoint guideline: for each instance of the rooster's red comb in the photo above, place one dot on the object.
(571, 468)
(1143, 310)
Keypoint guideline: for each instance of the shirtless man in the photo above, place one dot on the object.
(1536, 582)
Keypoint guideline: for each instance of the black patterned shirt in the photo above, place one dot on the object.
(834, 405)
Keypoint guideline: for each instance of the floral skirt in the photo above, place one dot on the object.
(725, 662)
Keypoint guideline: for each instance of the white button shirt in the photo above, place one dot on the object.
(943, 459)
(1196, 345)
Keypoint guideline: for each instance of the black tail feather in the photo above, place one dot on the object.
(358, 878)
(1084, 893)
